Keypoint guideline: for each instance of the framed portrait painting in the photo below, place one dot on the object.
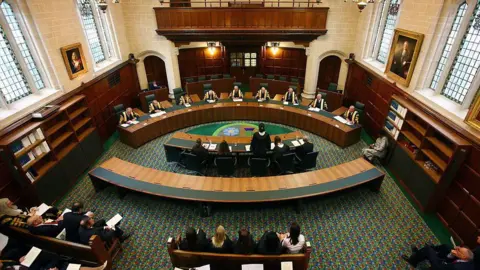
(473, 116)
(74, 60)
(403, 55)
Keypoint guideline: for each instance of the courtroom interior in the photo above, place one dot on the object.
(240, 134)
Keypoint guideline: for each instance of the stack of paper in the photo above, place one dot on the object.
(31, 256)
(295, 143)
(314, 109)
(134, 122)
(230, 148)
(340, 119)
(237, 100)
(272, 145)
(73, 266)
(187, 105)
(212, 146)
(247, 147)
(125, 125)
(252, 266)
(301, 141)
(285, 103)
(211, 101)
(114, 220)
(260, 100)
(295, 104)
(157, 114)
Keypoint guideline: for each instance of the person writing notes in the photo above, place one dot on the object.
(155, 107)
(319, 103)
(290, 96)
(351, 115)
(262, 94)
(236, 93)
(210, 96)
(185, 99)
(127, 116)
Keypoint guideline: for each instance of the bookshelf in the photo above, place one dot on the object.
(49, 154)
(428, 154)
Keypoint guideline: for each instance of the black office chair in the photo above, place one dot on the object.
(225, 165)
(172, 153)
(214, 77)
(258, 166)
(285, 164)
(194, 163)
(308, 163)
(177, 93)
(118, 110)
(227, 76)
(259, 75)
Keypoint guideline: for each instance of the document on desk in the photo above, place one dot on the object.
(211, 101)
(187, 105)
(157, 114)
(205, 267)
(287, 266)
(314, 109)
(31, 256)
(125, 125)
(260, 100)
(114, 220)
(295, 104)
(272, 145)
(42, 209)
(62, 235)
(230, 148)
(134, 122)
(301, 141)
(237, 100)
(73, 266)
(340, 119)
(205, 145)
(285, 103)
(212, 146)
(295, 143)
(247, 147)
(252, 266)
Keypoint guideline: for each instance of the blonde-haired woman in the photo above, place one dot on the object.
(220, 243)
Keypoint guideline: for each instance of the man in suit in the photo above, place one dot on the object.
(280, 148)
(236, 93)
(155, 107)
(36, 225)
(442, 258)
(210, 96)
(262, 94)
(290, 96)
(194, 240)
(261, 142)
(72, 220)
(402, 60)
(199, 150)
(106, 233)
(127, 116)
(304, 149)
(319, 102)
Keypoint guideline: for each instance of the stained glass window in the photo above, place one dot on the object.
(388, 30)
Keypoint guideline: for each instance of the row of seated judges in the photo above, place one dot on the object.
(271, 243)
(78, 225)
(351, 115)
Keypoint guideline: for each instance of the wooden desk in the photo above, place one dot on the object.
(223, 96)
(274, 86)
(160, 95)
(218, 85)
(128, 176)
(334, 99)
(320, 123)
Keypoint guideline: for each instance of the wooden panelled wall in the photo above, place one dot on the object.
(199, 61)
(120, 85)
(460, 209)
(288, 62)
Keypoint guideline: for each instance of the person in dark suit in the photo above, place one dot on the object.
(402, 60)
(304, 149)
(107, 234)
(442, 258)
(72, 220)
(269, 244)
(194, 240)
(199, 150)
(245, 243)
(220, 243)
(280, 148)
(36, 225)
(261, 141)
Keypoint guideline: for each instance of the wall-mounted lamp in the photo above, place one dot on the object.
(211, 46)
(275, 46)
(102, 5)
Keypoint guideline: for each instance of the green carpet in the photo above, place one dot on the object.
(215, 129)
(355, 229)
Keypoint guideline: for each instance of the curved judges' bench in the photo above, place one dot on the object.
(320, 123)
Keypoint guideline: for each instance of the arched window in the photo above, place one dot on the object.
(97, 30)
(19, 72)
(460, 59)
(384, 33)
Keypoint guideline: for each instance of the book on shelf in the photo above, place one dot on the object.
(31, 156)
(37, 151)
(400, 123)
(16, 146)
(30, 176)
(23, 160)
(394, 104)
(33, 172)
(404, 112)
(392, 116)
(32, 138)
(45, 147)
(39, 134)
(26, 142)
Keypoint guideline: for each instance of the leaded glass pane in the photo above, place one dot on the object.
(466, 63)
(13, 83)
(387, 33)
(91, 31)
(247, 62)
(247, 55)
(448, 45)
(22, 45)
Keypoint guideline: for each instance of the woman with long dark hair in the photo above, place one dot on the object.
(245, 243)
(293, 241)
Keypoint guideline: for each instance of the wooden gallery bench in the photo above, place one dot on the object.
(217, 261)
(94, 254)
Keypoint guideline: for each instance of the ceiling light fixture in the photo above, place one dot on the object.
(211, 46)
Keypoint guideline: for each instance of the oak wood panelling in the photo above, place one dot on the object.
(289, 62)
(183, 24)
(328, 71)
(155, 69)
(199, 61)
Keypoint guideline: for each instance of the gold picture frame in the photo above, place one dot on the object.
(473, 116)
(403, 56)
(74, 60)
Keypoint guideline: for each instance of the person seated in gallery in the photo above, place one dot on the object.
(292, 242)
(245, 243)
(302, 150)
(261, 142)
(269, 244)
(88, 228)
(290, 96)
(51, 228)
(127, 116)
(154, 85)
(351, 115)
(319, 103)
(220, 243)
(210, 96)
(280, 148)
(195, 240)
(8, 208)
(71, 221)
(262, 94)
(378, 149)
(236, 93)
(185, 99)
(199, 150)
(155, 107)
(441, 257)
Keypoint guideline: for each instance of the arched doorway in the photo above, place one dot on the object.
(328, 71)
(155, 70)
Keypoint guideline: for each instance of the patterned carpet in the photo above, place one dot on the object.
(355, 229)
